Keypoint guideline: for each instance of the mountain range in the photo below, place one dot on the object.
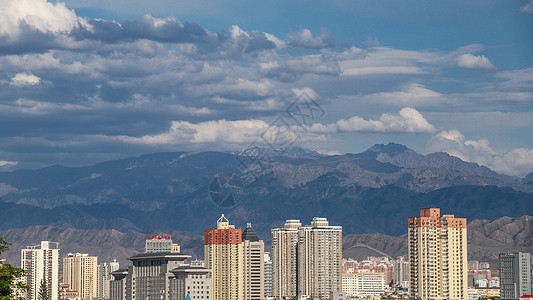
(370, 192)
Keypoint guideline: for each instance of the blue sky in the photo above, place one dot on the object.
(87, 81)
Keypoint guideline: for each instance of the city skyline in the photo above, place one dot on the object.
(443, 236)
(84, 82)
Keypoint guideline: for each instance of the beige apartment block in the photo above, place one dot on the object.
(284, 260)
(80, 272)
(438, 256)
(319, 259)
(223, 256)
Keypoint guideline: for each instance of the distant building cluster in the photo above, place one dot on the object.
(480, 275)
(305, 262)
(374, 276)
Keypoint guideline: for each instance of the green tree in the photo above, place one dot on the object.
(11, 284)
(43, 291)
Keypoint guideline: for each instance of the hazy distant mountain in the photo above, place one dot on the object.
(486, 238)
(402, 156)
(373, 191)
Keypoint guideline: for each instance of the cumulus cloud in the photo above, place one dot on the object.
(39, 15)
(224, 132)
(28, 26)
(517, 162)
(180, 132)
(407, 120)
(528, 7)
(306, 39)
(474, 62)
(22, 79)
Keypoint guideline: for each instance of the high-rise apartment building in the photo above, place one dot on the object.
(284, 260)
(223, 256)
(80, 273)
(438, 256)
(268, 276)
(253, 265)
(319, 259)
(104, 277)
(41, 264)
(516, 275)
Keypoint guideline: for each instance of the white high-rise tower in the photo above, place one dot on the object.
(41, 264)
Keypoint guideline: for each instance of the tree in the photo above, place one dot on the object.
(12, 285)
(43, 291)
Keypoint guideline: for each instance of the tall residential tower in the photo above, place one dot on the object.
(284, 260)
(253, 265)
(438, 256)
(223, 256)
(41, 264)
(319, 259)
(80, 273)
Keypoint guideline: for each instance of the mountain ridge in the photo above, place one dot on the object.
(167, 191)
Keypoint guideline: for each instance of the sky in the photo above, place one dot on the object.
(88, 81)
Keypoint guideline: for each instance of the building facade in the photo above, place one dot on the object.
(253, 265)
(150, 273)
(438, 256)
(268, 276)
(41, 266)
(223, 256)
(160, 243)
(80, 273)
(516, 275)
(192, 281)
(284, 260)
(400, 273)
(120, 288)
(319, 259)
(104, 277)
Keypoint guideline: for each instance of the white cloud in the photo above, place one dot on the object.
(8, 163)
(413, 93)
(220, 131)
(408, 120)
(473, 62)
(21, 79)
(306, 39)
(226, 133)
(517, 162)
(39, 15)
(383, 61)
(237, 32)
(528, 7)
